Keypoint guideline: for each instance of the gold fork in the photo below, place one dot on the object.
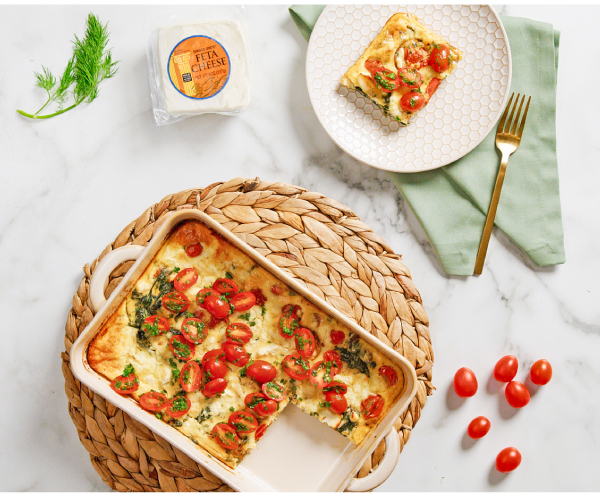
(507, 141)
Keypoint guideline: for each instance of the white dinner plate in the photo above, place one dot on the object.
(459, 116)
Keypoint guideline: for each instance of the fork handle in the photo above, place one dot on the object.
(491, 215)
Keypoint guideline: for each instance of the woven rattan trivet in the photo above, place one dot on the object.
(313, 238)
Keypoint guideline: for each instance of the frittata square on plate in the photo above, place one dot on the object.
(402, 67)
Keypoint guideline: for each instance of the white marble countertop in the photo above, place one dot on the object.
(70, 184)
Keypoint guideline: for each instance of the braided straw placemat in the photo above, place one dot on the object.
(312, 238)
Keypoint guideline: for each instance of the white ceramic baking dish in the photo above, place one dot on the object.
(321, 459)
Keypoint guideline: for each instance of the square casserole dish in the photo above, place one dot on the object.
(329, 458)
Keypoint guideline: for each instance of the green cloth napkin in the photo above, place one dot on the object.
(451, 202)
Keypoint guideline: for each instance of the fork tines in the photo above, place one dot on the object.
(504, 126)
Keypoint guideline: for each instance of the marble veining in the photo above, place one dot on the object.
(70, 184)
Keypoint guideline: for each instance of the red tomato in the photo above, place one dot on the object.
(296, 367)
(372, 406)
(155, 325)
(215, 321)
(465, 383)
(194, 330)
(517, 394)
(238, 333)
(416, 56)
(194, 250)
(506, 368)
(202, 294)
(337, 402)
(243, 421)
(321, 374)
(261, 371)
(185, 279)
(305, 342)
(336, 387)
(410, 78)
(190, 376)
(260, 432)
(385, 79)
(508, 460)
(373, 64)
(288, 322)
(215, 367)
(179, 406)
(225, 286)
(243, 301)
(153, 401)
(175, 302)
(212, 354)
(277, 289)
(479, 427)
(432, 86)
(335, 359)
(225, 436)
(181, 348)
(390, 374)
(541, 372)
(412, 101)
(260, 405)
(273, 391)
(214, 387)
(236, 354)
(125, 384)
(337, 337)
(439, 59)
(218, 306)
(260, 297)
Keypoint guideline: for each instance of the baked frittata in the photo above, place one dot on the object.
(216, 347)
(402, 67)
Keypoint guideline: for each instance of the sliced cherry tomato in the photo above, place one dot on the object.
(155, 325)
(335, 359)
(202, 294)
(432, 86)
(190, 376)
(194, 250)
(185, 279)
(337, 402)
(289, 322)
(153, 401)
(336, 387)
(218, 306)
(277, 289)
(261, 371)
(321, 374)
(372, 406)
(412, 101)
(439, 58)
(390, 374)
(305, 342)
(212, 354)
(410, 78)
(179, 406)
(260, 432)
(337, 337)
(243, 421)
(236, 354)
(479, 427)
(372, 65)
(125, 384)
(238, 333)
(260, 297)
(215, 368)
(260, 405)
(508, 460)
(226, 436)
(273, 391)
(194, 330)
(181, 348)
(517, 394)
(416, 56)
(243, 301)
(175, 302)
(506, 368)
(296, 367)
(541, 372)
(465, 383)
(215, 321)
(214, 387)
(225, 286)
(385, 79)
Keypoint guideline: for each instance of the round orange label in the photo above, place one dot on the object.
(199, 67)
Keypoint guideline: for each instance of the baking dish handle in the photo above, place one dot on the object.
(106, 266)
(383, 470)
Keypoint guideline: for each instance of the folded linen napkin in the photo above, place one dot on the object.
(451, 202)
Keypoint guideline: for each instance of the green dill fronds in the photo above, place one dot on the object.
(45, 80)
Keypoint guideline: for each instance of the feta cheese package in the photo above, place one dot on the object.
(200, 62)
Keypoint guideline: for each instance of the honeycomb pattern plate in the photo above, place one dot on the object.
(462, 112)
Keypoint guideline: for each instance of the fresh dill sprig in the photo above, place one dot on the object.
(90, 64)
